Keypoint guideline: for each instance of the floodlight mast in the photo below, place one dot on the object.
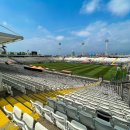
(59, 48)
(106, 42)
(82, 44)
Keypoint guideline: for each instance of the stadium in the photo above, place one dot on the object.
(68, 93)
(63, 91)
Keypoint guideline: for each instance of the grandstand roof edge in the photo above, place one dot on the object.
(6, 38)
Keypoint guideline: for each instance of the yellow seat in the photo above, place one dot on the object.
(5, 122)
(26, 103)
(36, 98)
(3, 119)
(14, 102)
(40, 98)
(27, 98)
(3, 103)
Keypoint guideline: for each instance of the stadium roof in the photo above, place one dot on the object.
(7, 38)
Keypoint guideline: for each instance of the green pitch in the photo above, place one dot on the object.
(88, 70)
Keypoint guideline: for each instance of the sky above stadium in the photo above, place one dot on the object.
(45, 23)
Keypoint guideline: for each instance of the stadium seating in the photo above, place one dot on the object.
(102, 124)
(86, 119)
(24, 83)
(7, 88)
(86, 115)
(72, 112)
(98, 60)
(23, 102)
(38, 126)
(60, 120)
(61, 107)
(4, 121)
(53, 97)
(97, 112)
(17, 114)
(48, 114)
(121, 124)
(74, 125)
(26, 122)
(35, 59)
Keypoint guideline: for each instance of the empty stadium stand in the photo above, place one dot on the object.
(89, 108)
(97, 108)
(22, 105)
(98, 60)
(46, 101)
(39, 90)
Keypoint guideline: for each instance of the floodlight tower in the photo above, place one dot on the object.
(106, 42)
(82, 44)
(59, 48)
(39, 52)
(73, 53)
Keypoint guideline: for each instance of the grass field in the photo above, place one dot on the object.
(88, 70)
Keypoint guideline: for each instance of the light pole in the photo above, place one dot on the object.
(27, 52)
(73, 53)
(59, 48)
(39, 52)
(82, 44)
(106, 42)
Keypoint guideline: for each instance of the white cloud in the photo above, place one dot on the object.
(39, 27)
(4, 23)
(44, 44)
(93, 35)
(48, 34)
(82, 33)
(90, 7)
(117, 33)
(55, 38)
(59, 38)
(116, 7)
(119, 7)
(90, 29)
(42, 29)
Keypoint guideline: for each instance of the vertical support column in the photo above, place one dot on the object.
(117, 89)
(121, 91)
(129, 95)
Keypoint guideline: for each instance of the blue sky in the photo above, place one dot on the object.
(45, 23)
